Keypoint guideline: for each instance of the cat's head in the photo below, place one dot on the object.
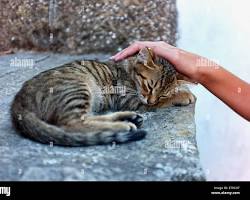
(154, 77)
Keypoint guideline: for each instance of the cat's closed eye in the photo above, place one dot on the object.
(163, 97)
(141, 76)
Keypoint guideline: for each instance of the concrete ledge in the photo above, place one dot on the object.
(169, 152)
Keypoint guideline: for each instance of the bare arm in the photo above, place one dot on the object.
(230, 89)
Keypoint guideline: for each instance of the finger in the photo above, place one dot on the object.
(129, 51)
(134, 48)
(117, 54)
(137, 46)
(170, 53)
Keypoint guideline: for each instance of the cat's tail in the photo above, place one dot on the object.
(33, 127)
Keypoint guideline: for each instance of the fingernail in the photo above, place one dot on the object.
(114, 58)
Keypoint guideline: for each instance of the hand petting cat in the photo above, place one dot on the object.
(215, 78)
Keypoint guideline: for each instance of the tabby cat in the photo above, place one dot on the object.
(67, 105)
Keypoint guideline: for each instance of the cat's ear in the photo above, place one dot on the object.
(146, 57)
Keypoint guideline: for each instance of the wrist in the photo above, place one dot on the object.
(200, 75)
(204, 74)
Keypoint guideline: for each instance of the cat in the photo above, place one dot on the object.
(68, 105)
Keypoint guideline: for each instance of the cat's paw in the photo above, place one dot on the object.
(129, 116)
(123, 126)
(184, 99)
(136, 119)
(123, 137)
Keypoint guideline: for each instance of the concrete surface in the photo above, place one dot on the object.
(168, 153)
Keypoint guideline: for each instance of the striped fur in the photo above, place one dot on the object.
(67, 105)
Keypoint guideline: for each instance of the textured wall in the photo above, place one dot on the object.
(84, 26)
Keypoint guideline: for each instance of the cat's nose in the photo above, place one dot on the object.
(151, 101)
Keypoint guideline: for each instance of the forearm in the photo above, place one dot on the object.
(227, 87)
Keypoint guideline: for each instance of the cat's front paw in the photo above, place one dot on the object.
(137, 120)
(184, 99)
(129, 116)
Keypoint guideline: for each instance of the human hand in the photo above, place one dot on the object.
(185, 63)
